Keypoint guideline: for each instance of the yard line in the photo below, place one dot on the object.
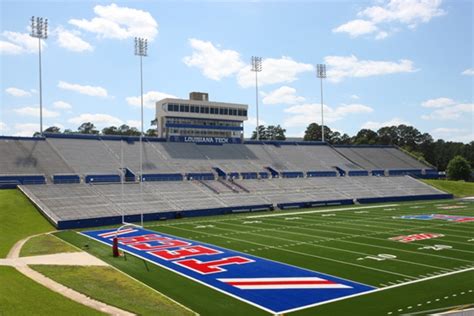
(344, 250)
(323, 211)
(379, 232)
(302, 253)
(394, 285)
(354, 242)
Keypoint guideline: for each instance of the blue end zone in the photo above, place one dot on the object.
(272, 286)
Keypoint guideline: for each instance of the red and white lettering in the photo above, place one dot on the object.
(166, 243)
(138, 239)
(184, 252)
(143, 242)
(212, 266)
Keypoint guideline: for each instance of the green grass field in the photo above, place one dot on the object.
(346, 243)
(45, 245)
(112, 287)
(22, 296)
(18, 219)
(458, 188)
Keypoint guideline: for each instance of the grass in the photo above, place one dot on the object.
(333, 245)
(112, 287)
(458, 188)
(18, 219)
(45, 245)
(20, 295)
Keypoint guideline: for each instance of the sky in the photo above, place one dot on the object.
(389, 62)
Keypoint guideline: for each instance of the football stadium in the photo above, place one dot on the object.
(207, 214)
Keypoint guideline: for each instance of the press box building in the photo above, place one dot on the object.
(198, 120)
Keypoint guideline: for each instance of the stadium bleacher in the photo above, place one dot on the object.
(187, 179)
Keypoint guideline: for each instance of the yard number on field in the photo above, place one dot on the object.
(437, 247)
(379, 257)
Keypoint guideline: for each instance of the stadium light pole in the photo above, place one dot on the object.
(321, 73)
(141, 48)
(257, 67)
(39, 30)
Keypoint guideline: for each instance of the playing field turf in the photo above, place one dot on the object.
(347, 242)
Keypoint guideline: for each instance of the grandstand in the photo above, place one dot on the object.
(81, 177)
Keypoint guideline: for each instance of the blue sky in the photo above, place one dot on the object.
(388, 62)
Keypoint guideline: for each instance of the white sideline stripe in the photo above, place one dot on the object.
(291, 286)
(324, 211)
(379, 289)
(272, 279)
(113, 233)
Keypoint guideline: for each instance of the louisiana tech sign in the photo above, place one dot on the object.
(205, 140)
(272, 286)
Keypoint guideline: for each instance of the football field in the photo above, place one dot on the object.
(418, 257)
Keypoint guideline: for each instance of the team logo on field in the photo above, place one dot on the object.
(272, 286)
(415, 237)
(449, 218)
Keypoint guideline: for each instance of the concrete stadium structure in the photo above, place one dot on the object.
(91, 180)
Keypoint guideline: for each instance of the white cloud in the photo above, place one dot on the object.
(149, 99)
(282, 95)
(454, 134)
(94, 91)
(117, 22)
(451, 112)
(71, 41)
(16, 92)
(376, 125)
(135, 123)
(302, 115)
(282, 70)
(468, 72)
(19, 43)
(99, 120)
(35, 111)
(3, 128)
(438, 103)
(340, 67)
(61, 105)
(356, 28)
(409, 13)
(214, 63)
(27, 129)
(355, 97)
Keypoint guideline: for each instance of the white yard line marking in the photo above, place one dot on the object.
(301, 253)
(322, 211)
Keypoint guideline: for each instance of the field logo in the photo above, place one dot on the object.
(415, 237)
(449, 218)
(272, 286)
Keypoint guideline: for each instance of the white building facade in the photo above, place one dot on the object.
(199, 121)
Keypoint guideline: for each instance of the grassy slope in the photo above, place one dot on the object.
(22, 296)
(45, 245)
(112, 287)
(18, 219)
(199, 298)
(458, 188)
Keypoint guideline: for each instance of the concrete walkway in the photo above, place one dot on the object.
(81, 258)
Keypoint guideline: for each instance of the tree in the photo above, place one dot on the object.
(87, 128)
(458, 169)
(124, 129)
(53, 129)
(365, 136)
(151, 132)
(262, 133)
(111, 130)
(154, 122)
(313, 133)
(275, 132)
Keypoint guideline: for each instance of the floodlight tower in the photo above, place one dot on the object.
(257, 67)
(321, 73)
(39, 29)
(141, 48)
